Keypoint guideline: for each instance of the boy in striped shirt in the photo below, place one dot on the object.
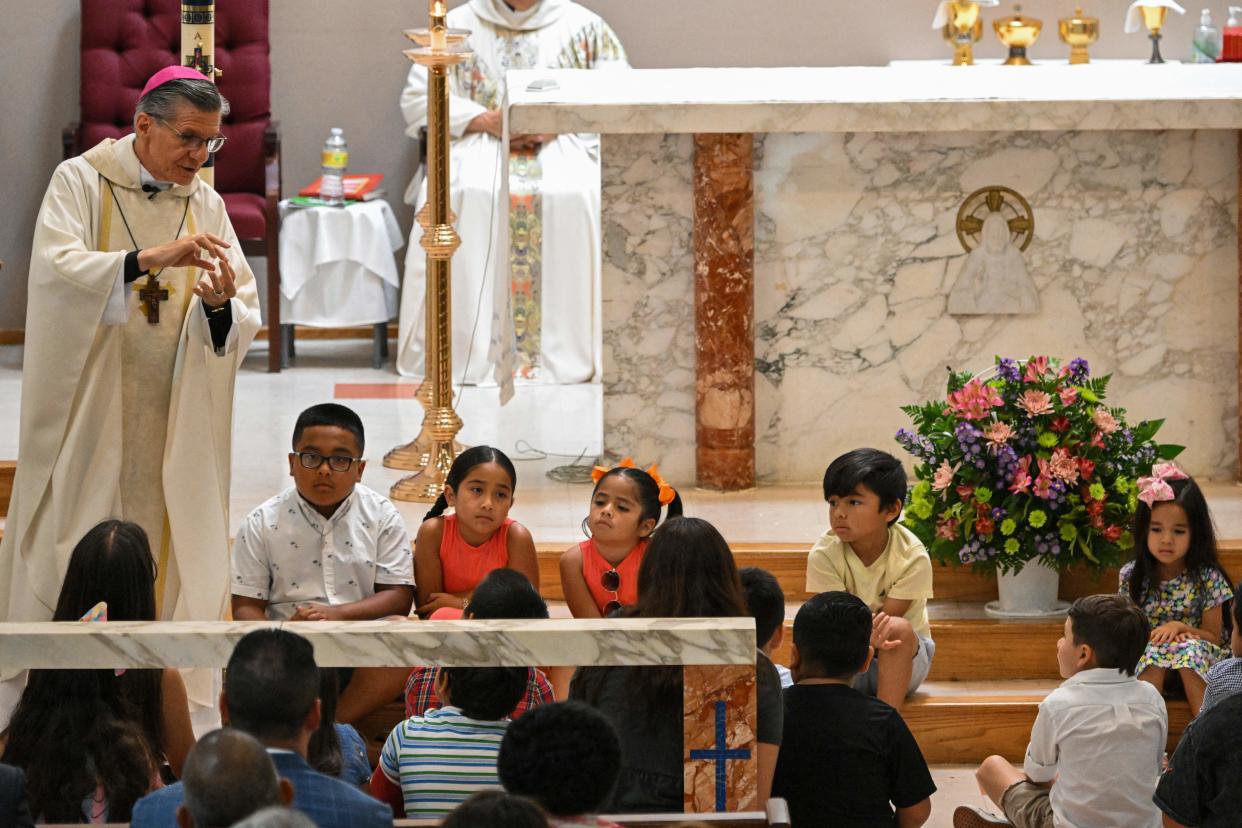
(432, 763)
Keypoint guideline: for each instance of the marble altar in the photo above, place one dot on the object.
(1132, 172)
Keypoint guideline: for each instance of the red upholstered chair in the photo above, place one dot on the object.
(124, 42)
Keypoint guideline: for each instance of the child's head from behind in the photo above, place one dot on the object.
(495, 809)
(766, 601)
(1172, 534)
(688, 572)
(485, 693)
(832, 637)
(865, 489)
(565, 756)
(326, 462)
(625, 506)
(505, 593)
(480, 487)
(1102, 631)
(112, 563)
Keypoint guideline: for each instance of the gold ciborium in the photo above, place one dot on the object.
(1078, 33)
(1018, 32)
(1153, 19)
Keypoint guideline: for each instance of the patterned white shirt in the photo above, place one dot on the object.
(286, 553)
(1223, 681)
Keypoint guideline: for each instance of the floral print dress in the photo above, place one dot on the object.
(1184, 598)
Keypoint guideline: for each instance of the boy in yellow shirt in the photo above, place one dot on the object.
(868, 555)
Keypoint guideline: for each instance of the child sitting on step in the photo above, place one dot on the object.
(867, 554)
(846, 758)
(452, 553)
(327, 547)
(1177, 580)
(766, 601)
(600, 575)
(1100, 735)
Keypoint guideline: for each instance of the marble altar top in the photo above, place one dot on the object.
(569, 642)
(904, 97)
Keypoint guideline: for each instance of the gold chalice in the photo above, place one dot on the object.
(964, 22)
(1018, 32)
(976, 34)
(1078, 33)
(1153, 19)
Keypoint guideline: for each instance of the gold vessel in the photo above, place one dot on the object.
(976, 33)
(1018, 32)
(964, 20)
(1078, 33)
(1153, 19)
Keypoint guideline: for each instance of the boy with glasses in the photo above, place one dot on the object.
(326, 548)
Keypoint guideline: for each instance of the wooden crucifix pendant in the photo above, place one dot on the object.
(153, 294)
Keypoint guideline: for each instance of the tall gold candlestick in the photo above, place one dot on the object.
(441, 48)
(198, 51)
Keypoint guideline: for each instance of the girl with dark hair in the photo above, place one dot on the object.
(452, 553)
(687, 572)
(600, 575)
(91, 741)
(336, 748)
(1178, 581)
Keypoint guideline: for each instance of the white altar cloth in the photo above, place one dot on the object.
(337, 264)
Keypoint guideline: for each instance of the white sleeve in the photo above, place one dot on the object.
(252, 577)
(116, 311)
(462, 110)
(394, 557)
(1041, 753)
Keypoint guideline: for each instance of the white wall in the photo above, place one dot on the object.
(339, 63)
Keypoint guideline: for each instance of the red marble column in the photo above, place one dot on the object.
(724, 309)
(719, 735)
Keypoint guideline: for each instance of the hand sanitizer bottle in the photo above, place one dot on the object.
(1206, 44)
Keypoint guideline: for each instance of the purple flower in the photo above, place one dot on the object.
(1009, 370)
(1078, 369)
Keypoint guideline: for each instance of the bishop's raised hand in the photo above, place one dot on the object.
(184, 252)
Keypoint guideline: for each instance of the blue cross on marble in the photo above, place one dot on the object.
(720, 754)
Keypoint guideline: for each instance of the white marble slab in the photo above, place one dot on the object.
(609, 642)
(1104, 95)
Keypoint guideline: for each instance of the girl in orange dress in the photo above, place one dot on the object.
(452, 553)
(600, 575)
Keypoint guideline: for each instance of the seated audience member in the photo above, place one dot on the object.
(1225, 677)
(90, 741)
(228, 776)
(1100, 735)
(847, 759)
(14, 802)
(504, 593)
(564, 756)
(326, 548)
(432, 763)
(271, 691)
(336, 748)
(766, 601)
(1201, 785)
(495, 809)
(687, 572)
(868, 554)
(276, 817)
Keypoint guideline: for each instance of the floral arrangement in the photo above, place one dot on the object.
(1026, 462)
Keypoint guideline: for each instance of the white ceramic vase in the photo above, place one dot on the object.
(1031, 593)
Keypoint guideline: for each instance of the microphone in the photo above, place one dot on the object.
(152, 190)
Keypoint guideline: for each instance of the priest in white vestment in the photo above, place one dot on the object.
(526, 279)
(140, 309)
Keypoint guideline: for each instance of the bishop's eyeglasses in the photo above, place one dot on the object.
(195, 143)
(337, 462)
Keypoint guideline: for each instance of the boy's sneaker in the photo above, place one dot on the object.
(967, 817)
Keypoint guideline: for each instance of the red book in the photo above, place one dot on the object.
(357, 185)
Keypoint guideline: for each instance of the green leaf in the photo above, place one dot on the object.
(1167, 451)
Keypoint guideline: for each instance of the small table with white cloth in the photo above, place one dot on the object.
(338, 270)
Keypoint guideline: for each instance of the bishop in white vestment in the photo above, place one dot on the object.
(140, 309)
(526, 278)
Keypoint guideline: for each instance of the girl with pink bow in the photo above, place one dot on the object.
(1177, 579)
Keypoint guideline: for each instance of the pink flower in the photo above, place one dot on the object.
(1063, 467)
(1086, 468)
(1060, 424)
(1035, 403)
(984, 525)
(947, 529)
(1113, 533)
(1022, 477)
(1068, 395)
(1097, 439)
(1036, 367)
(1104, 421)
(998, 434)
(964, 492)
(1042, 487)
(944, 476)
(974, 400)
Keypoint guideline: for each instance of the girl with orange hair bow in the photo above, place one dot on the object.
(600, 574)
